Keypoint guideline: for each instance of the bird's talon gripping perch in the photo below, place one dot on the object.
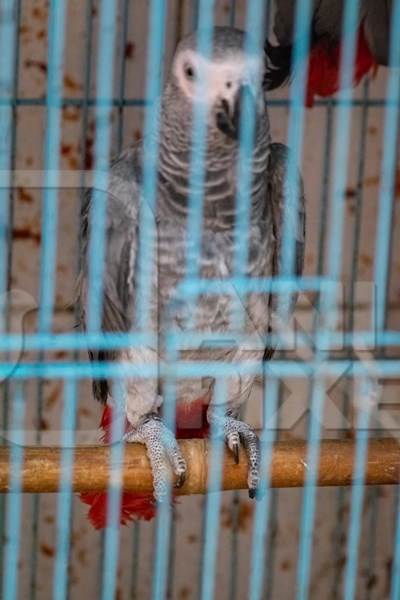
(236, 432)
(163, 451)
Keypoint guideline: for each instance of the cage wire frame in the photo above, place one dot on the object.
(325, 284)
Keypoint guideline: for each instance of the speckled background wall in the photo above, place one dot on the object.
(136, 548)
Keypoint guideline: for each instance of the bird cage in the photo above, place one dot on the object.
(80, 82)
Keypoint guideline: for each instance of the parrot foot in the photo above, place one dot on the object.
(162, 448)
(235, 433)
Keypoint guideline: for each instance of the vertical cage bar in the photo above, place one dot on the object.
(213, 501)
(204, 20)
(9, 69)
(359, 204)
(6, 225)
(60, 579)
(48, 257)
(87, 75)
(300, 26)
(163, 529)
(155, 49)
(135, 560)
(382, 353)
(341, 148)
(14, 497)
(13, 150)
(271, 542)
(323, 225)
(357, 490)
(164, 514)
(8, 37)
(125, 5)
(202, 542)
(263, 506)
(244, 171)
(342, 492)
(325, 187)
(199, 145)
(297, 94)
(395, 582)
(255, 21)
(112, 531)
(171, 558)
(388, 167)
(234, 563)
(104, 96)
(328, 299)
(374, 506)
(309, 495)
(86, 78)
(385, 201)
(295, 133)
(147, 226)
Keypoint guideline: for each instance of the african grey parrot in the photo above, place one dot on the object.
(230, 74)
(372, 42)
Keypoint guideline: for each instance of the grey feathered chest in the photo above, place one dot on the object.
(212, 312)
(226, 313)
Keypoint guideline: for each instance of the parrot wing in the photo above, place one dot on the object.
(122, 213)
(278, 190)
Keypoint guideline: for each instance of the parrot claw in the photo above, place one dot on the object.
(235, 433)
(181, 477)
(163, 451)
(233, 441)
(180, 481)
(236, 453)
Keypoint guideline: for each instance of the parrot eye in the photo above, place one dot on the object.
(189, 72)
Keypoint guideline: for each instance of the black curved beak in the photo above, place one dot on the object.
(228, 116)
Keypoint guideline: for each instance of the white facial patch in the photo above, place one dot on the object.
(210, 81)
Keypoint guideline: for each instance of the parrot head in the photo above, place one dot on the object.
(221, 81)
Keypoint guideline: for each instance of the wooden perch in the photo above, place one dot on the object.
(41, 467)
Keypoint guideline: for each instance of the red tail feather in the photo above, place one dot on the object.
(324, 67)
(191, 422)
